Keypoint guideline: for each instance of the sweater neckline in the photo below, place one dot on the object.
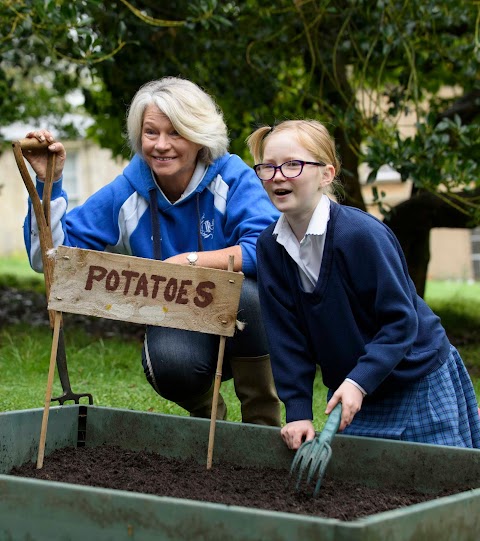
(326, 266)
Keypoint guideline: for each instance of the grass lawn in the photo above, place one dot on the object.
(111, 369)
(448, 290)
(17, 265)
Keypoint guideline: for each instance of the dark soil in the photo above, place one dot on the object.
(150, 473)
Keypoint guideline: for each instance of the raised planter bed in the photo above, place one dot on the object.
(34, 509)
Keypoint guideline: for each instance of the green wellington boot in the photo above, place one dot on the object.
(256, 391)
(201, 406)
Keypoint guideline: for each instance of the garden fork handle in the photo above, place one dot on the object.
(41, 210)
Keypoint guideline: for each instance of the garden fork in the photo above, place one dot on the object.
(312, 458)
(42, 215)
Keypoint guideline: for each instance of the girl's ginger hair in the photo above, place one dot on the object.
(312, 134)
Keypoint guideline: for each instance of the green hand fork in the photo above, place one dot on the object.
(312, 458)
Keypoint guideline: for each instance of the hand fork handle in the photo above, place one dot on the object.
(332, 424)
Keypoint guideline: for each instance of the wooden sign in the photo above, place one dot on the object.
(145, 291)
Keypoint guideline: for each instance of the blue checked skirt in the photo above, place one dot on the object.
(441, 408)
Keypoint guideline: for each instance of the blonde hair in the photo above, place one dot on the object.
(311, 134)
(193, 113)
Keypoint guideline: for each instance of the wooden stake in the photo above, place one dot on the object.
(216, 388)
(48, 394)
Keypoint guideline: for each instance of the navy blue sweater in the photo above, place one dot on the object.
(364, 319)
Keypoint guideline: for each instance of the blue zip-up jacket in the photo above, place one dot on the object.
(228, 207)
(363, 320)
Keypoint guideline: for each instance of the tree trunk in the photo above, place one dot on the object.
(352, 195)
(412, 221)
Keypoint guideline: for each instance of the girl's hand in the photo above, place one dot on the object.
(351, 398)
(38, 159)
(296, 432)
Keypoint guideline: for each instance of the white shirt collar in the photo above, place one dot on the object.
(197, 177)
(316, 226)
(308, 253)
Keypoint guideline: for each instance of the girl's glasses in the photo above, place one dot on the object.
(291, 169)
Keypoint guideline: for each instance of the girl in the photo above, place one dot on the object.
(335, 292)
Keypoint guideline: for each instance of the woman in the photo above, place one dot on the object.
(335, 292)
(185, 200)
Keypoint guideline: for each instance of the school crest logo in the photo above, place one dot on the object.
(206, 227)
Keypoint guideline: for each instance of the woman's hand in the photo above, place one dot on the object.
(38, 158)
(296, 432)
(351, 398)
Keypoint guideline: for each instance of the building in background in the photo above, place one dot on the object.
(454, 253)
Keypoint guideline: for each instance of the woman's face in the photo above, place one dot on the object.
(296, 197)
(171, 157)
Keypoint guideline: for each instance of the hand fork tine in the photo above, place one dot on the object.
(313, 456)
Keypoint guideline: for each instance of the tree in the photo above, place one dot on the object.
(369, 64)
(46, 47)
(361, 66)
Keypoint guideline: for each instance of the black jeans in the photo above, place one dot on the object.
(180, 364)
